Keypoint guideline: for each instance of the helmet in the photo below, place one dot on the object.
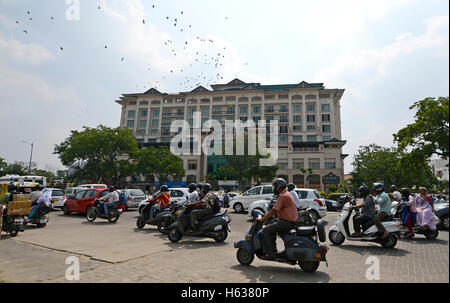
(378, 187)
(39, 187)
(192, 187)
(206, 187)
(405, 192)
(111, 188)
(393, 188)
(363, 190)
(278, 184)
(291, 187)
(12, 187)
(200, 186)
(164, 188)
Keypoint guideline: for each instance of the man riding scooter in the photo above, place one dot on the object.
(112, 197)
(367, 213)
(385, 204)
(204, 207)
(163, 200)
(286, 210)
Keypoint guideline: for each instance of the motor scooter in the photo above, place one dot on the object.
(301, 245)
(397, 211)
(94, 212)
(12, 224)
(340, 232)
(162, 218)
(215, 225)
(40, 218)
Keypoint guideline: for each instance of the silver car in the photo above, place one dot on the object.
(135, 196)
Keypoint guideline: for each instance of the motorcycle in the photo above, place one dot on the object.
(114, 212)
(215, 225)
(40, 217)
(12, 224)
(301, 245)
(417, 229)
(162, 218)
(340, 232)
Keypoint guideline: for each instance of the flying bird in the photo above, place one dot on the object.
(61, 48)
(25, 32)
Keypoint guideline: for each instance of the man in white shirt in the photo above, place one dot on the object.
(193, 193)
(291, 190)
(112, 197)
(396, 194)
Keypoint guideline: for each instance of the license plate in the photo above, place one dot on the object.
(42, 221)
(218, 227)
(18, 221)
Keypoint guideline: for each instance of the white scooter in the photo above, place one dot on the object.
(339, 232)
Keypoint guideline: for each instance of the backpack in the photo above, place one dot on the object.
(217, 206)
(123, 198)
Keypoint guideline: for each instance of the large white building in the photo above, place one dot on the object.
(440, 168)
(308, 115)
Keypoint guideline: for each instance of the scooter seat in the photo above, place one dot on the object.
(305, 231)
(213, 215)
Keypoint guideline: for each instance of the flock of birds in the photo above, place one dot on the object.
(195, 74)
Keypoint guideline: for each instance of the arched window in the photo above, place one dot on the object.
(299, 180)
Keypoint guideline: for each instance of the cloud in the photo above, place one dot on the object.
(25, 52)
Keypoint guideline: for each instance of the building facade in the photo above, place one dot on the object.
(440, 168)
(308, 115)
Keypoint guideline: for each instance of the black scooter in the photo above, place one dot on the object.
(301, 245)
(12, 224)
(162, 218)
(214, 226)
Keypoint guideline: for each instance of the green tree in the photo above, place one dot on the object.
(429, 133)
(98, 153)
(159, 162)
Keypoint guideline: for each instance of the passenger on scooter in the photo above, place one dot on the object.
(206, 204)
(424, 210)
(7, 197)
(36, 194)
(45, 198)
(396, 194)
(193, 193)
(408, 205)
(367, 213)
(163, 200)
(291, 190)
(286, 211)
(200, 191)
(384, 202)
(112, 197)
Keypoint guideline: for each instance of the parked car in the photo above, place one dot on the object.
(93, 186)
(338, 197)
(79, 202)
(242, 203)
(441, 211)
(70, 191)
(176, 195)
(134, 197)
(309, 198)
(58, 198)
(332, 205)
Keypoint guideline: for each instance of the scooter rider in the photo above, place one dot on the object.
(206, 204)
(193, 193)
(163, 200)
(7, 197)
(112, 197)
(291, 190)
(36, 194)
(200, 191)
(286, 211)
(395, 193)
(408, 205)
(384, 202)
(367, 213)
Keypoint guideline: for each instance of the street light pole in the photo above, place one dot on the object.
(31, 156)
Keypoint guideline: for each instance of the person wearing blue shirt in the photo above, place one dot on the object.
(384, 202)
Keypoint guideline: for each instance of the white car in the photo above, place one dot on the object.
(176, 195)
(134, 197)
(242, 203)
(309, 198)
(93, 186)
(71, 191)
(58, 198)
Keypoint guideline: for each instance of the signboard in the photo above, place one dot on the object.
(331, 179)
(228, 183)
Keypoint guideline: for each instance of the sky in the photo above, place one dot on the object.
(386, 54)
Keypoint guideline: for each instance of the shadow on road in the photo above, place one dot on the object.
(424, 241)
(372, 250)
(190, 243)
(276, 274)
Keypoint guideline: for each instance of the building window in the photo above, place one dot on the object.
(297, 108)
(205, 111)
(310, 127)
(326, 118)
(192, 165)
(166, 131)
(141, 132)
(192, 111)
(330, 165)
(166, 122)
(217, 111)
(155, 122)
(269, 109)
(283, 139)
(154, 132)
(130, 123)
(311, 107)
(297, 128)
(141, 141)
(326, 138)
(217, 99)
(270, 118)
(298, 165)
(180, 112)
(311, 118)
(143, 123)
(256, 109)
(284, 119)
(283, 129)
(230, 110)
(284, 109)
(243, 110)
(144, 113)
(156, 113)
(326, 128)
(167, 112)
(297, 138)
(311, 138)
(151, 140)
(256, 119)
(131, 114)
(314, 164)
(283, 165)
(230, 98)
(297, 119)
(325, 107)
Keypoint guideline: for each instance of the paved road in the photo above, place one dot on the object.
(121, 253)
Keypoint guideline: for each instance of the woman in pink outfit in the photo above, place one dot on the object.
(424, 209)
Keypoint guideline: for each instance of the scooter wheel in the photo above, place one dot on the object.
(174, 235)
(221, 236)
(41, 225)
(113, 218)
(390, 241)
(245, 257)
(432, 234)
(91, 214)
(336, 237)
(309, 266)
(162, 226)
(140, 223)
